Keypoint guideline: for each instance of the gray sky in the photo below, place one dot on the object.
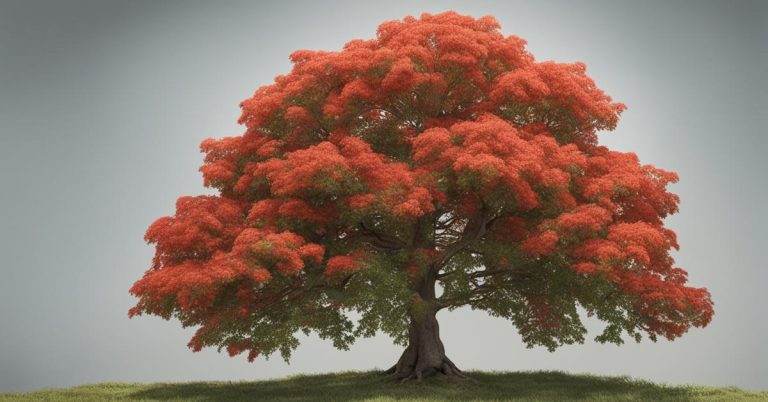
(103, 106)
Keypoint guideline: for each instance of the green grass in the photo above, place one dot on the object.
(371, 386)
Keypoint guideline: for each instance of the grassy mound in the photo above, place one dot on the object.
(371, 386)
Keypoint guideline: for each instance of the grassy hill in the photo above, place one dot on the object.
(370, 386)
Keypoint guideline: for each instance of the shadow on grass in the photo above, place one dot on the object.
(373, 386)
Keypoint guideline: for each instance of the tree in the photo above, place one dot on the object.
(434, 167)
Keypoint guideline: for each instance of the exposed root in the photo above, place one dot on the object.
(425, 354)
(414, 373)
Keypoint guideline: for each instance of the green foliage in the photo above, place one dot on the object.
(601, 299)
(379, 293)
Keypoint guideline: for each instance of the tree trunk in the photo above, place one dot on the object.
(425, 354)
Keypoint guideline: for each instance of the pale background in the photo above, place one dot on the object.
(103, 105)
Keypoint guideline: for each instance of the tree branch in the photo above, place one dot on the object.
(479, 274)
(480, 291)
(474, 230)
(378, 239)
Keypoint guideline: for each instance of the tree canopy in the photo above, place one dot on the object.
(436, 166)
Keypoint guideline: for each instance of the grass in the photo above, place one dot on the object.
(371, 386)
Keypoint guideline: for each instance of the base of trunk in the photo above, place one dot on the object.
(414, 370)
(425, 354)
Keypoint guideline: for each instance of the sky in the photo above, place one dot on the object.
(103, 105)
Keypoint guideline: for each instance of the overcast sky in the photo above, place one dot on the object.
(103, 105)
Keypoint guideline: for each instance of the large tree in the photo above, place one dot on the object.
(434, 167)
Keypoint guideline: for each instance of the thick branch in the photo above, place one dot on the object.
(475, 229)
(377, 239)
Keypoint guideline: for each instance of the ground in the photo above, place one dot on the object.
(372, 386)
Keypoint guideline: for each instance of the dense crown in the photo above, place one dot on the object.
(440, 149)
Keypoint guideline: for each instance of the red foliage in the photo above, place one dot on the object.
(436, 116)
(541, 244)
(341, 264)
(202, 225)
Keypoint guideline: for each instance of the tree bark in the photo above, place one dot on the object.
(425, 354)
